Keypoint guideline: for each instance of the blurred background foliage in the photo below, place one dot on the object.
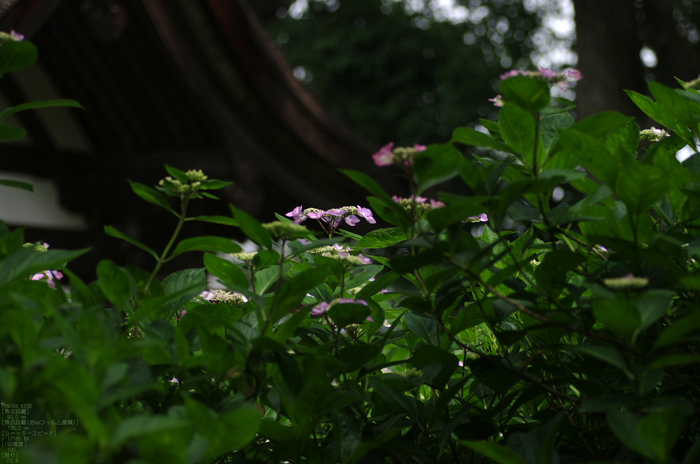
(409, 71)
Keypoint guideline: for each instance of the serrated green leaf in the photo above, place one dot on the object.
(116, 282)
(230, 274)
(382, 238)
(206, 243)
(528, 93)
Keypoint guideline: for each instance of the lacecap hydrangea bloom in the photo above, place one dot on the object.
(561, 79)
(388, 155)
(334, 217)
(342, 253)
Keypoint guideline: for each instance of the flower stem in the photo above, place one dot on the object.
(182, 218)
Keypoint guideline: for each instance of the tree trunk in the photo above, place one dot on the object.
(608, 56)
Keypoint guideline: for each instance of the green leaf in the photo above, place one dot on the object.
(382, 238)
(674, 103)
(600, 125)
(475, 138)
(681, 331)
(152, 196)
(295, 289)
(177, 174)
(604, 353)
(652, 305)
(528, 93)
(436, 165)
(231, 275)
(138, 426)
(425, 327)
(552, 273)
(225, 220)
(591, 154)
(456, 211)
(109, 230)
(213, 184)
(626, 426)
(252, 228)
(206, 243)
(642, 185)
(498, 453)
(399, 216)
(427, 354)
(344, 314)
(518, 131)
(548, 129)
(9, 132)
(389, 393)
(40, 104)
(16, 55)
(380, 283)
(619, 315)
(25, 262)
(170, 300)
(115, 282)
(194, 279)
(17, 184)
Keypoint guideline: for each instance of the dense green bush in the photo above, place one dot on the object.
(555, 332)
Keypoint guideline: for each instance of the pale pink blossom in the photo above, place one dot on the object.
(385, 155)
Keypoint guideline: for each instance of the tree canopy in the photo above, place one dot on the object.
(405, 70)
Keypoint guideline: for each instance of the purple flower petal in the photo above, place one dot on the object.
(351, 220)
(366, 213)
(546, 72)
(298, 215)
(320, 309)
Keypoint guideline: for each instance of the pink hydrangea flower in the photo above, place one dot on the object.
(511, 73)
(573, 74)
(320, 309)
(297, 214)
(420, 147)
(385, 155)
(366, 213)
(546, 72)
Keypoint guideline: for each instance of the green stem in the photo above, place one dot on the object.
(178, 228)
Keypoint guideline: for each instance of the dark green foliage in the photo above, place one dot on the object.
(550, 332)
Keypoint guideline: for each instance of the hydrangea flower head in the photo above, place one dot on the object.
(385, 155)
